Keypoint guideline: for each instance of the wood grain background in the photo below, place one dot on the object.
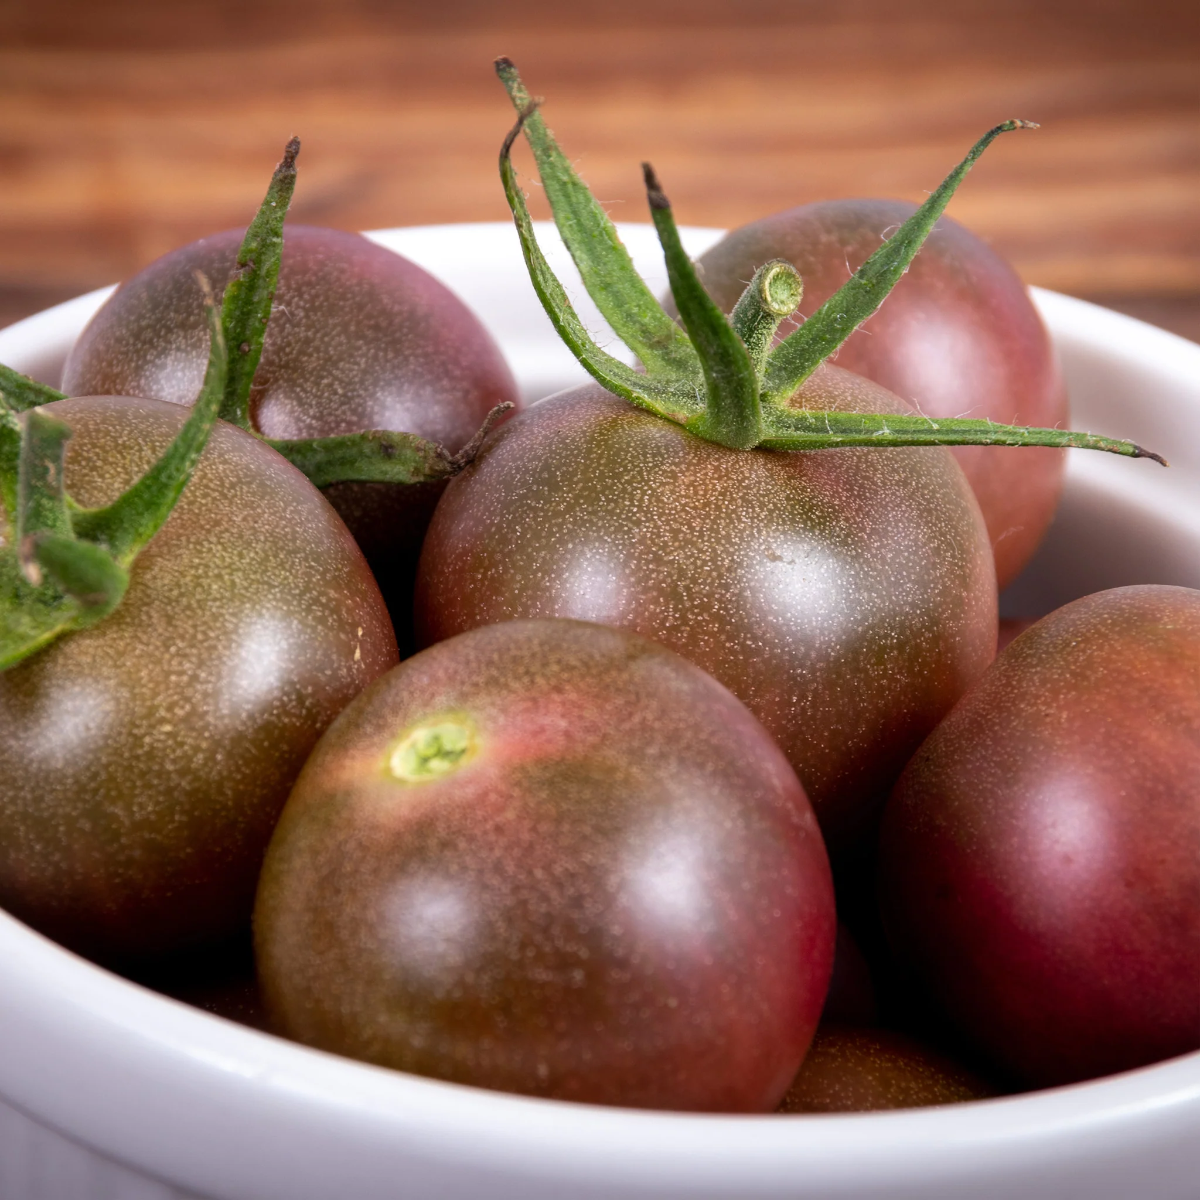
(128, 128)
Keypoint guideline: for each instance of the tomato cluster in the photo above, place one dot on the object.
(684, 629)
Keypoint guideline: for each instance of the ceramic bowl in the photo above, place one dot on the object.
(110, 1090)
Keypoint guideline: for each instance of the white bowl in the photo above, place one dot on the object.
(115, 1091)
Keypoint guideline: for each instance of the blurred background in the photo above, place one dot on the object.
(127, 128)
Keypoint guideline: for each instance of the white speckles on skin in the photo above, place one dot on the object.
(1072, 843)
(360, 338)
(431, 926)
(603, 842)
(861, 578)
(666, 874)
(231, 652)
(590, 587)
(825, 571)
(170, 374)
(261, 663)
(959, 337)
(1038, 858)
(67, 722)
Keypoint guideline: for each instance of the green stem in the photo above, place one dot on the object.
(20, 393)
(468, 453)
(374, 457)
(250, 293)
(622, 297)
(770, 297)
(41, 499)
(740, 399)
(804, 429)
(82, 571)
(50, 581)
(732, 416)
(69, 568)
(10, 461)
(30, 617)
(127, 524)
(676, 401)
(799, 354)
(381, 456)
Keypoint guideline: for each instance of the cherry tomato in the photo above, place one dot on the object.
(851, 996)
(359, 338)
(959, 336)
(145, 759)
(865, 1070)
(1040, 856)
(846, 596)
(553, 858)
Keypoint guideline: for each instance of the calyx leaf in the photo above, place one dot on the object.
(378, 456)
(64, 568)
(740, 396)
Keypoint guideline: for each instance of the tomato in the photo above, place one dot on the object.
(359, 338)
(1010, 628)
(959, 336)
(851, 996)
(552, 858)
(865, 1070)
(1040, 856)
(145, 759)
(846, 596)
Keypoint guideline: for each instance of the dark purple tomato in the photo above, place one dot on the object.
(959, 336)
(865, 1070)
(219, 979)
(359, 338)
(145, 759)
(552, 858)
(851, 996)
(1041, 854)
(1011, 628)
(846, 596)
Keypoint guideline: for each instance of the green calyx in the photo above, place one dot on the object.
(375, 456)
(63, 567)
(718, 377)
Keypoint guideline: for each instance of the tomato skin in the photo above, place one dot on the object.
(1040, 856)
(851, 1069)
(958, 336)
(622, 898)
(145, 760)
(359, 338)
(846, 596)
(851, 996)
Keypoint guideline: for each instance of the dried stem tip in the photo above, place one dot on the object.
(654, 194)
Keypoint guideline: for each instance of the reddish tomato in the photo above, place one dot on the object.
(1041, 854)
(145, 759)
(359, 338)
(864, 1070)
(847, 597)
(553, 858)
(959, 336)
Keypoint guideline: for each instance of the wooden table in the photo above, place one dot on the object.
(130, 126)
